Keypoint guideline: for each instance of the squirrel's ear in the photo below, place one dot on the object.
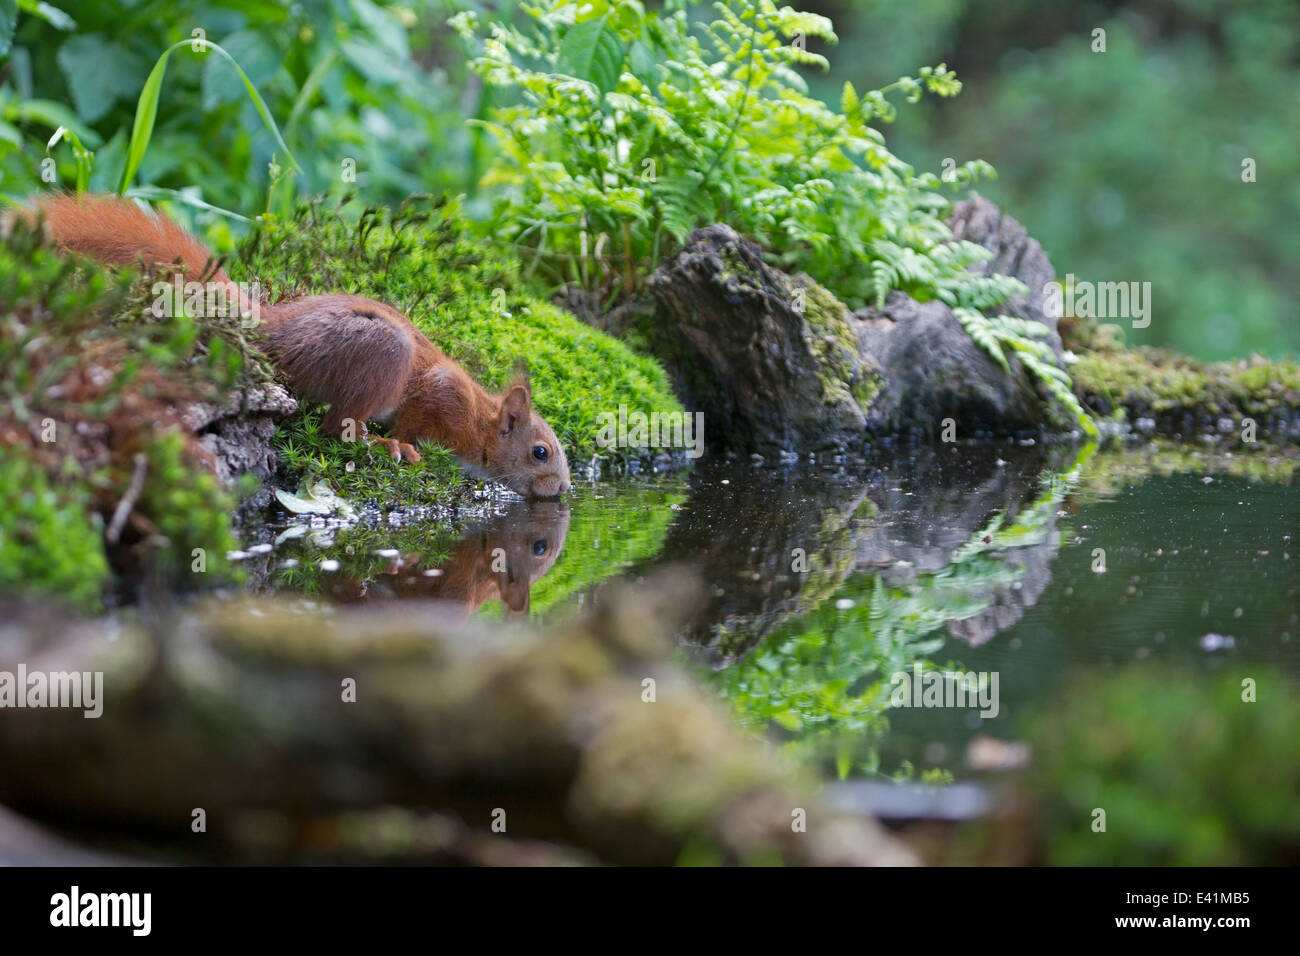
(515, 404)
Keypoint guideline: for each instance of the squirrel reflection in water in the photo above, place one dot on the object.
(495, 562)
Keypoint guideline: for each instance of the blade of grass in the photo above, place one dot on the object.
(146, 110)
(85, 158)
(315, 79)
(159, 193)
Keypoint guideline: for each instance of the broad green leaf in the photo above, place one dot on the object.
(384, 27)
(51, 15)
(99, 72)
(590, 10)
(593, 52)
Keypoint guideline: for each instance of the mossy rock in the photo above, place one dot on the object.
(1182, 394)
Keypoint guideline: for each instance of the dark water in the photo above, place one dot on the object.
(820, 585)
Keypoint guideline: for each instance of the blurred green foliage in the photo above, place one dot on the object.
(1188, 771)
(1127, 164)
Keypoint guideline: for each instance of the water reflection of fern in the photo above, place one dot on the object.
(823, 680)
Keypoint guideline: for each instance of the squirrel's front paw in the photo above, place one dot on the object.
(398, 450)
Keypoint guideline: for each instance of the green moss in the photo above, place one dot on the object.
(1103, 477)
(1159, 383)
(835, 344)
(471, 301)
(190, 510)
(51, 541)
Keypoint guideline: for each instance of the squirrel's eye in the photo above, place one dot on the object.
(539, 547)
(540, 452)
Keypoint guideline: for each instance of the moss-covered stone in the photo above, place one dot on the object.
(1179, 392)
(835, 342)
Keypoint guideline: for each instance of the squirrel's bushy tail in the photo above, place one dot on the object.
(118, 232)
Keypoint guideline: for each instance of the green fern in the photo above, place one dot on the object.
(1025, 340)
(637, 127)
(640, 126)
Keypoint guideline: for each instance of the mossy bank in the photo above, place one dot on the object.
(110, 480)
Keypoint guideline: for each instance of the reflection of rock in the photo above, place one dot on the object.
(744, 539)
(932, 508)
(776, 362)
(1008, 602)
(913, 516)
(236, 708)
(497, 561)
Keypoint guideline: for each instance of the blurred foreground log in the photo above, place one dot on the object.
(237, 709)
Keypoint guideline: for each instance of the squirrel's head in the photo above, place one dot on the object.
(524, 454)
(520, 550)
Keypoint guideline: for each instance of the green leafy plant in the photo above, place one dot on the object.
(633, 130)
(998, 334)
(365, 95)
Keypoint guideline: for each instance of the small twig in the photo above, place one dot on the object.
(123, 509)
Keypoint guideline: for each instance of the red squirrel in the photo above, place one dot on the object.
(366, 359)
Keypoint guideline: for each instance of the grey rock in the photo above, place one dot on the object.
(778, 364)
(759, 352)
(238, 432)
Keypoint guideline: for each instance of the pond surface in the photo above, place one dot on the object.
(821, 585)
